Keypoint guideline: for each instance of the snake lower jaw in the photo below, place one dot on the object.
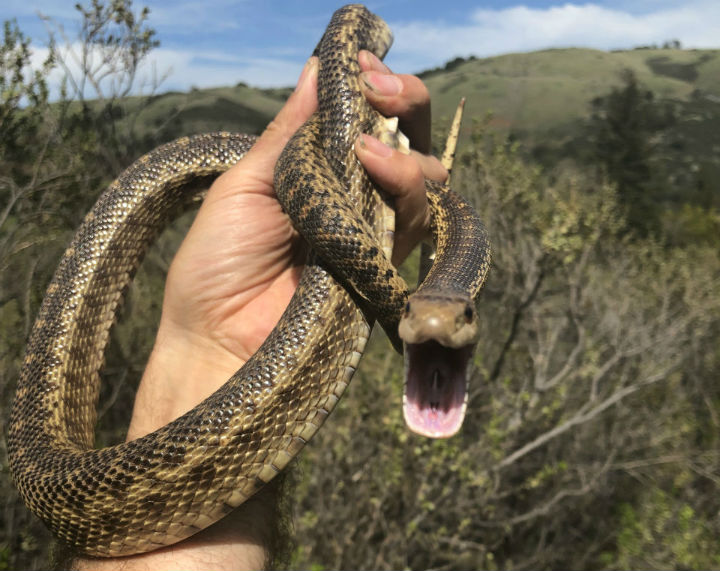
(435, 392)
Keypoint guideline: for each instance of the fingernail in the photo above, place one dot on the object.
(381, 83)
(307, 68)
(373, 145)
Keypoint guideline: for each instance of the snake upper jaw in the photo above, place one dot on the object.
(439, 335)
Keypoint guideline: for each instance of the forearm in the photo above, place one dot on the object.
(180, 373)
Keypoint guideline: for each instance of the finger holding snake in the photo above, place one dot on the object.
(407, 98)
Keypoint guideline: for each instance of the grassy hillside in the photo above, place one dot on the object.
(551, 88)
(240, 109)
(542, 99)
(528, 92)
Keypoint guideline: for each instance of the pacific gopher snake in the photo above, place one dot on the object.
(161, 488)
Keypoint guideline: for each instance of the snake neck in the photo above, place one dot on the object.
(342, 108)
(319, 178)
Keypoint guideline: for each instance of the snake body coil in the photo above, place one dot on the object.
(157, 490)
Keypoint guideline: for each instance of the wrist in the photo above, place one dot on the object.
(253, 536)
(183, 369)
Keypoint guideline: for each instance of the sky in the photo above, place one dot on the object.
(264, 43)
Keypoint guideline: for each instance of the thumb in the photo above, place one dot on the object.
(299, 107)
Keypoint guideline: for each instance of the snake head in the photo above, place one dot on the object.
(439, 334)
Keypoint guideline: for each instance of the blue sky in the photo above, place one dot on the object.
(265, 42)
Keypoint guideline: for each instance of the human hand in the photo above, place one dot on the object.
(239, 265)
(234, 275)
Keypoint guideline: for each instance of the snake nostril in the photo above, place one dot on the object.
(468, 313)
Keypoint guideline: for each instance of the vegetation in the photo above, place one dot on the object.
(625, 123)
(582, 415)
(591, 439)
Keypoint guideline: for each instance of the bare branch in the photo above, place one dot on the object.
(581, 417)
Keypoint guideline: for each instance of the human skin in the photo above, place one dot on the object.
(234, 275)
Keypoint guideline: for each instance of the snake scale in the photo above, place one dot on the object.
(156, 490)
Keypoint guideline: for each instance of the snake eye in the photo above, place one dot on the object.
(468, 313)
(407, 308)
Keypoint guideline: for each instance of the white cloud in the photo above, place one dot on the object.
(200, 15)
(424, 44)
(420, 45)
(209, 69)
(180, 70)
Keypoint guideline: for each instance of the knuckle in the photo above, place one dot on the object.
(416, 89)
(416, 177)
(436, 171)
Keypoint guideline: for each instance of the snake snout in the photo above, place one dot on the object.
(451, 321)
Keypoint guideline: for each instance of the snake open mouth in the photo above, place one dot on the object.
(435, 388)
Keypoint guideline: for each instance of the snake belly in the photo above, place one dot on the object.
(159, 489)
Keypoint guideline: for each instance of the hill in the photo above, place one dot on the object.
(525, 92)
(238, 109)
(542, 99)
(548, 89)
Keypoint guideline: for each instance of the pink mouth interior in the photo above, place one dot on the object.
(435, 387)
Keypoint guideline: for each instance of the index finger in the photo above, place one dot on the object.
(401, 96)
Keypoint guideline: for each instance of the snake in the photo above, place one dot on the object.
(156, 490)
